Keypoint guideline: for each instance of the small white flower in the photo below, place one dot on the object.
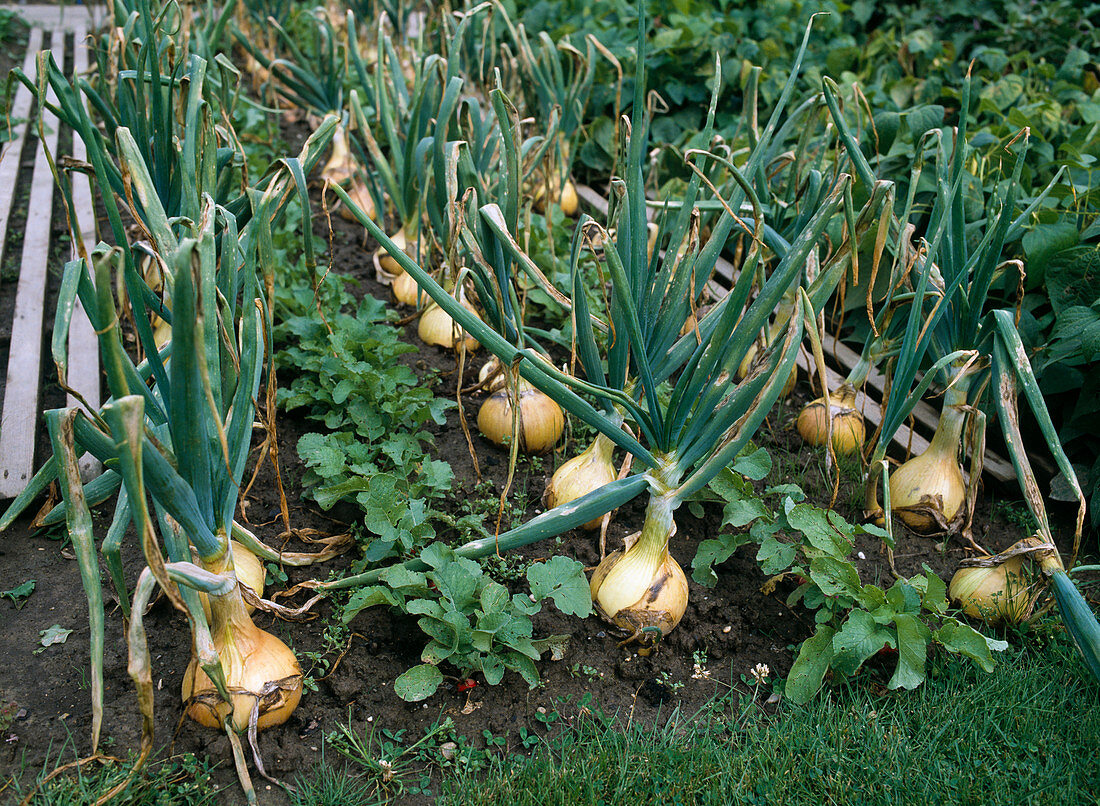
(760, 672)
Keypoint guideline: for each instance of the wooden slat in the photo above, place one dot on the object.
(20, 414)
(83, 346)
(13, 149)
(905, 438)
(60, 17)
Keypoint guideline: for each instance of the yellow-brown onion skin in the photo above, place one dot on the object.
(569, 200)
(405, 290)
(257, 667)
(254, 659)
(357, 190)
(931, 474)
(662, 603)
(438, 328)
(386, 262)
(848, 430)
(581, 475)
(340, 167)
(541, 419)
(248, 570)
(994, 595)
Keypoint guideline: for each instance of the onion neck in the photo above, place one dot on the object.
(229, 618)
(949, 430)
(602, 449)
(858, 375)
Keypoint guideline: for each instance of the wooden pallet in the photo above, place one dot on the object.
(20, 418)
(910, 440)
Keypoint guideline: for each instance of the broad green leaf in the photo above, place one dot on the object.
(52, 635)
(754, 463)
(775, 556)
(418, 683)
(903, 597)
(368, 597)
(494, 597)
(19, 593)
(912, 648)
(808, 671)
(963, 639)
(835, 577)
(823, 529)
(858, 639)
(744, 511)
(524, 665)
(712, 552)
(561, 579)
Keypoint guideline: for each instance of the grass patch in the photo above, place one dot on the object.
(1024, 734)
(182, 780)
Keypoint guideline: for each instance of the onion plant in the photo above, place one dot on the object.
(975, 354)
(393, 133)
(691, 417)
(178, 425)
(556, 82)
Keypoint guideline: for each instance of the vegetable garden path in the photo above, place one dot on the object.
(35, 141)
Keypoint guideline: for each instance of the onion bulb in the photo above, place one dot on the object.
(260, 671)
(848, 430)
(438, 328)
(541, 421)
(340, 167)
(928, 491)
(994, 595)
(405, 290)
(569, 200)
(581, 475)
(357, 190)
(386, 267)
(565, 196)
(641, 589)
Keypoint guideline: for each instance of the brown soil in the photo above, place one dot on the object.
(735, 625)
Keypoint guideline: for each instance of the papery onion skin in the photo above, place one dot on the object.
(258, 667)
(581, 475)
(406, 291)
(569, 200)
(250, 668)
(928, 491)
(387, 267)
(340, 167)
(249, 571)
(660, 603)
(994, 595)
(848, 430)
(541, 420)
(361, 196)
(437, 327)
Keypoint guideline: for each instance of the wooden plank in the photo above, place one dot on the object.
(598, 203)
(12, 152)
(905, 438)
(57, 18)
(19, 419)
(83, 345)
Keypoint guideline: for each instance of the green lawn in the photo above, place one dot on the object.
(1028, 733)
